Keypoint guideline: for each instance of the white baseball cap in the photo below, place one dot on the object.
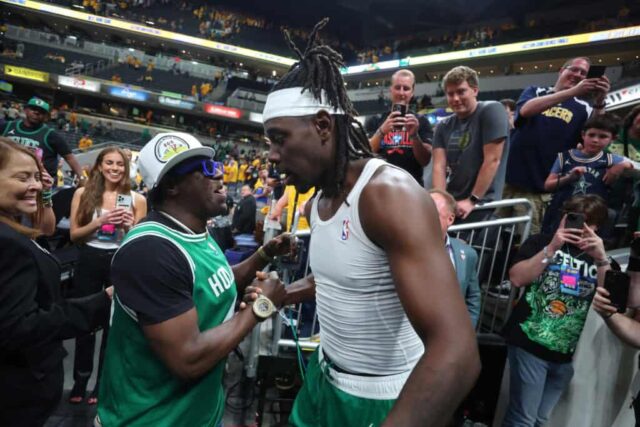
(166, 150)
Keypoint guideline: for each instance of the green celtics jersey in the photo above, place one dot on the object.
(137, 388)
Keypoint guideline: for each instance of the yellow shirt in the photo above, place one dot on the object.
(242, 172)
(85, 143)
(232, 170)
(290, 191)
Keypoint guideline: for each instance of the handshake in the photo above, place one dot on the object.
(266, 293)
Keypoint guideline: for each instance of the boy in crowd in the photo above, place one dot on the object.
(583, 170)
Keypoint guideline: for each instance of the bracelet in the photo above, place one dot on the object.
(47, 198)
(547, 258)
(602, 263)
(261, 252)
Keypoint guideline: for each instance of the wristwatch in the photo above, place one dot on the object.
(474, 199)
(263, 308)
(547, 257)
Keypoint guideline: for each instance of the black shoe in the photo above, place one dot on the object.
(77, 392)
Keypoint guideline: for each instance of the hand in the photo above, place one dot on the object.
(275, 215)
(577, 172)
(411, 124)
(602, 304)
(614, 172)
(603, 85)
(392, 122)
(282, 244)
(46, 180)
(464, 208)
(271, 288)
(111, 217)
(564, 235)
(586, 87)
(250, 295)
(127, 219)
(592, 244)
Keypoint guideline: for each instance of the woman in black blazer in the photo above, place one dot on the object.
(34, 319)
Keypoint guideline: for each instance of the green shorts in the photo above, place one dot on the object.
(321, 404)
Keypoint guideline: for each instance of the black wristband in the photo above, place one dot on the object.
(634, 264)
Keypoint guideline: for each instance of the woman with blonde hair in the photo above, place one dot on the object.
(101, 213)
(34, 319)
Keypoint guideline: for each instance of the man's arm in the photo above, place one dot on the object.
(539, 104)
(450, 367)
(74, 165)
(439, 176)
(421, 150)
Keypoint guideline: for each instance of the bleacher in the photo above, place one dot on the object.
(162, 80)
(34, 56)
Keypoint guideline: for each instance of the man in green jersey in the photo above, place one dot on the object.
(173, 321)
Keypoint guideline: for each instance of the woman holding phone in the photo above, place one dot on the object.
(34, 318)
(101, 213)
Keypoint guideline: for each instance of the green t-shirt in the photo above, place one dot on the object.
(617, 146)
(137, 388)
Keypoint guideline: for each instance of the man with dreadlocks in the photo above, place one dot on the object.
(376, 306)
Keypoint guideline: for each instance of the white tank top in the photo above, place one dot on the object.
(363, 326)
(108, 238)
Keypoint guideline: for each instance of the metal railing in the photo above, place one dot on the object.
(493, 240)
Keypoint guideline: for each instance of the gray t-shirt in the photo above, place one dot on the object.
(463, 140)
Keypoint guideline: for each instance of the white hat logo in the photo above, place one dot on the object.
(169, 146)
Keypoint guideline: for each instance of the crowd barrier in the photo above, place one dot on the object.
(494, 241)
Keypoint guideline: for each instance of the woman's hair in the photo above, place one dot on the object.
(91, 199)
(7, 149)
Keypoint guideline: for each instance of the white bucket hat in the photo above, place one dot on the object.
(166, 150)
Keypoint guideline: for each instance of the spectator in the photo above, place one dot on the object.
(403, 140)
(244, 215)
(549, 121)
(584, 170)
(294, 202)
(510, 107)
(34, 134)
(173, 324)
(559, 272)
(470, 147)
(99, 219)
(85, 142)
(34, 319)
(463, 256)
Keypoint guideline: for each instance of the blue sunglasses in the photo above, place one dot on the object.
(208, 167)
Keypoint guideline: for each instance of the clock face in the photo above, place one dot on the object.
(263, 306)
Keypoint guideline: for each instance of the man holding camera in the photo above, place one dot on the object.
(402, 138)
(560, 273)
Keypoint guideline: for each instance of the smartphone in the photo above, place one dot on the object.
(402, 108)
(574, 220)
(596, 71)
(617, 283)
(123, 201)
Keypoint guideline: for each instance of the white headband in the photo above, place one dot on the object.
(293, 102)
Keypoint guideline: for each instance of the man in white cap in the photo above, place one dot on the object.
(173, 321)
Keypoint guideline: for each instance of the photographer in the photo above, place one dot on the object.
(401, 137)
(559, 272)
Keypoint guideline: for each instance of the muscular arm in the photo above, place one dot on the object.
(301, 290)
(429, 292)
(421, 150)
(492, 153)
(189, 353)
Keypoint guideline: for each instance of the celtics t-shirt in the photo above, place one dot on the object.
(548, 319)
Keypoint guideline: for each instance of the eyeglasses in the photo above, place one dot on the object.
(577, 70)
(208, 167)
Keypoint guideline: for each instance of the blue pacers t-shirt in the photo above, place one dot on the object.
(537, 140)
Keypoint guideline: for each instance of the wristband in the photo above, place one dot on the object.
(47, 197)
(602, 263)
(261, 252)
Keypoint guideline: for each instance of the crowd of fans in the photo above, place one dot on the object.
(556, 147)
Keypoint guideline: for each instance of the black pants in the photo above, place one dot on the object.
(91, 276)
